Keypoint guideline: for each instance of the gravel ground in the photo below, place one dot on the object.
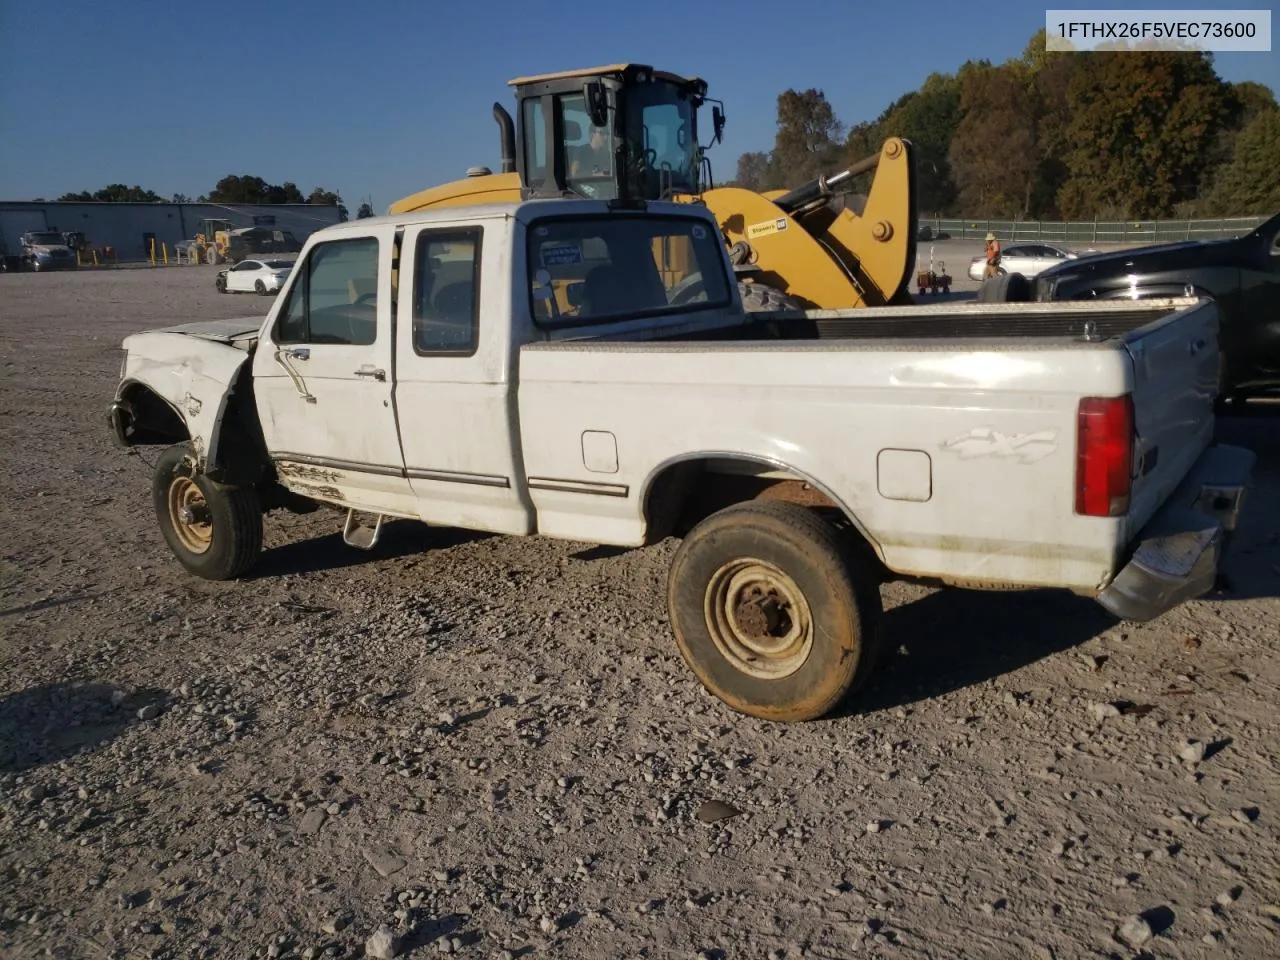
(489, 746)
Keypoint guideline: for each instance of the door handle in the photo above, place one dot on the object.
(282, 358)
(368, 370)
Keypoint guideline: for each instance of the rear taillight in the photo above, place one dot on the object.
(1104, 456)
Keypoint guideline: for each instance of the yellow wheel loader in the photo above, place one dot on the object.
(218, 241)
(629, 133)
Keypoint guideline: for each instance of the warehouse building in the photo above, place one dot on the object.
(129, 228)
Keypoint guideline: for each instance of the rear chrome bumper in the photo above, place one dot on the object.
(1176, 556)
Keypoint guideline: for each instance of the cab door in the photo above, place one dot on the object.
(322, 378)
(454, 378)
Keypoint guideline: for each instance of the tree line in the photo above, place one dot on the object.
(230, 189)
(1050, 135)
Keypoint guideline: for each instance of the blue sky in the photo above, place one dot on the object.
(384, 97)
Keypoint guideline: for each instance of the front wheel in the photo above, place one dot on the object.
(214, 530)
(773, 611)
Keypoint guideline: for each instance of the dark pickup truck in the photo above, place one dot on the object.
(1241, 274)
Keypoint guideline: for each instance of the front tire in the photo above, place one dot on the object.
(773, 611)
(214, 530)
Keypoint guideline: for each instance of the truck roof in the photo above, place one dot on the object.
(521, 210)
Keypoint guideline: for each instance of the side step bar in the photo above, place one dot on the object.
(358, 535)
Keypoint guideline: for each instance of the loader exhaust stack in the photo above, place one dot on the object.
(507, 136)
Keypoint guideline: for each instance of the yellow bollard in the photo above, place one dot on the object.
(164, 249)
(95, 257)
(153, 252)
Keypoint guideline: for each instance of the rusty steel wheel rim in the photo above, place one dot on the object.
(758, 619)
(189, 515)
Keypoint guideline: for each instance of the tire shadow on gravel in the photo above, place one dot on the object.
(45, 724)
(954, 638)
(399, 538)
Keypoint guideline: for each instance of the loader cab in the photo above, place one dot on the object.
(625, 132)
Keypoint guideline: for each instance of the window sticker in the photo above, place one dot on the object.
(558, 254)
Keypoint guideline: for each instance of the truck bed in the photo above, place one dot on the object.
(949, 432)
(1014, 323)
(1100, 321)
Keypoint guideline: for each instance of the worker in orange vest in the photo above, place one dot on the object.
(993, 257)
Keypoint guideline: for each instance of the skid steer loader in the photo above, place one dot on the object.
(629, 133)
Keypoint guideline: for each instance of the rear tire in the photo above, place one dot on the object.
(214, 530)
(758, 297)
(260, 287)
(1005, 288)
(773, 611)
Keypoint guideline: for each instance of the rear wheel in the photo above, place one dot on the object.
(214, 530)
(260, 287)
(773, 611)
(1005, 288)
(758, 297)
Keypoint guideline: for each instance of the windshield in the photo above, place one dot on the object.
(45, 238)
(589, 150)
(590, 269)
(659, 126)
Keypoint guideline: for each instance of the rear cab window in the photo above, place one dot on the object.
(446, 291)
(601, 268)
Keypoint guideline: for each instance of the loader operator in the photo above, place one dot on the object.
(993, 257)
(596, 159)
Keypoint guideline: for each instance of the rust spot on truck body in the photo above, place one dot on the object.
(305, 472)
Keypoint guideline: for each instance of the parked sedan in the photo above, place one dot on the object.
(254, 276)
(1027, 259)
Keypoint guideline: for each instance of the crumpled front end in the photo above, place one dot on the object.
(175, 387)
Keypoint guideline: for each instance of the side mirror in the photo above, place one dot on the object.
(717, 124)
(597, 103)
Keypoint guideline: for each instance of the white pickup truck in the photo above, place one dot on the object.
(574, 369)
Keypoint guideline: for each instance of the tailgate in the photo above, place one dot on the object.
(1175, 380)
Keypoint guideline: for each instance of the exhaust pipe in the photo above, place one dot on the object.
(507, 136)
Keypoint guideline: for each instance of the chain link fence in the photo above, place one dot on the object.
(1091, 231)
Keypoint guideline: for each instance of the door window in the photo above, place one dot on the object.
(446, 292)
(335, 298)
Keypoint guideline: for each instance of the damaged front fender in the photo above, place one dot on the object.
(170, 379)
